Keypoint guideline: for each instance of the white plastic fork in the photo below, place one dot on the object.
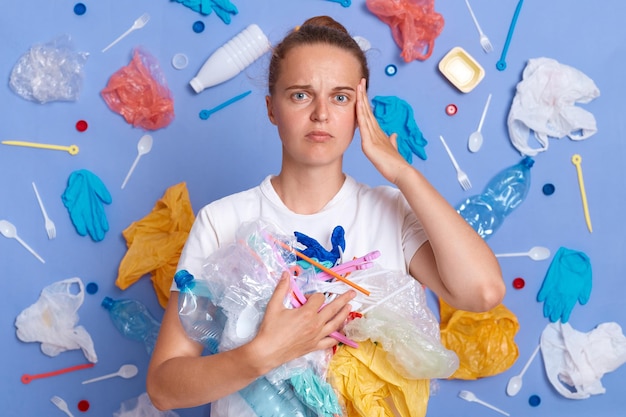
(469, 396)
(484, 40)
(48, 223)
(460, 174)
(61, 405)
(138, 24)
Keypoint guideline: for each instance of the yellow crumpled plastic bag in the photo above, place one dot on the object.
(484, 342)
(156, 242)
(366, 381)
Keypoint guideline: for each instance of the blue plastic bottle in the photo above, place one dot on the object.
(201, 319)
(133, 320)
(268, 400)
(503, 194)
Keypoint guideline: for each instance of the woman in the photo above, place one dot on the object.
(317, 98)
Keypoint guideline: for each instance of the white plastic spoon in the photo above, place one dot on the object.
(515, 383)
(8, 230)
(143, 147)
(536, 253)
(125, 371)
(476, 138)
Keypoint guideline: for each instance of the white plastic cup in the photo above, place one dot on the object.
(231, 58)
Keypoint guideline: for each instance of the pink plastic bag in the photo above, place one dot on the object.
(414, 25)
(140, 94)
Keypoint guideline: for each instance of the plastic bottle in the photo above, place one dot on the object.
(231, 58)
(201, 319)
(503, 194)
(268, 400)
(133, 320)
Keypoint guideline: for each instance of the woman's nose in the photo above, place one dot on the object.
(320, 110)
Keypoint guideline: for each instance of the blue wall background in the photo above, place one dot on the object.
(237, 147)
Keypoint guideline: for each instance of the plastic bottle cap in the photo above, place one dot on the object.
(80, 9)
(198, 26)
(519, 283)
(81, 125)
(451, 109)
(83, 405)
(548, 189)
(534, 400)
(391, 70)
(107, 302)
(91, 288)
(180, 61)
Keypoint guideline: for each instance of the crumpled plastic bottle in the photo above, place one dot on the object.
(201, 319)
(133, 320)
(504, 193)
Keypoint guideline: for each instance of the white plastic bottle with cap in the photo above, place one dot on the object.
(231, 58)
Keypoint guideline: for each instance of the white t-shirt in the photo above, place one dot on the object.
(374, 218)
(377, 218)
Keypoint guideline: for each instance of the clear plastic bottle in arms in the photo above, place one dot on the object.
(504, 193)
(201, 319)
(133, 320)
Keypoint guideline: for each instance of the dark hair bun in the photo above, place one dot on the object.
(325, 21)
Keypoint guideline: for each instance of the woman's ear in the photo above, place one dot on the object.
(270, 111)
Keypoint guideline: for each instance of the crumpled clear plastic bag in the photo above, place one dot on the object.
(484, 341)
(50, 71)
(404, 326)
(414, 25)
(139, 93)
(52, 320)
(240, 279)
(141, 406)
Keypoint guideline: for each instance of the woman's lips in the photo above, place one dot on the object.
(318, 136)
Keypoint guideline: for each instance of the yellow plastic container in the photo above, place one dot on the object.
(463, 71)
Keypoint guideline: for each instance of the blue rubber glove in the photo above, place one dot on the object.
(568, 279)
(395, 115)
(83, 199)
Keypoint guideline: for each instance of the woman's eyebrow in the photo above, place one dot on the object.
(309, 87)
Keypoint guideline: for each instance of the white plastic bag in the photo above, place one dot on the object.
(52, 320)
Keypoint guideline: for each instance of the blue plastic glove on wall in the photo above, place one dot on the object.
(395, 115)
(83, 199)
(568, 279)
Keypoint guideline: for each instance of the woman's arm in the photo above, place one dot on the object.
(179, 377)
(455, 263)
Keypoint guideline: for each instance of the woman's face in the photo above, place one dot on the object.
(313, 104)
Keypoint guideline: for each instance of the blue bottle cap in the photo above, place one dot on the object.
(391, 70)
(183, 279)
(198, 26)
(548, 189)
(107, 302)
(91, 288)
(80, 9)
(534, 400)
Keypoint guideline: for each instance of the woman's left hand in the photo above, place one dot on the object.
(380, 149)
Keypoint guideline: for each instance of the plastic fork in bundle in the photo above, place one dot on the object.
(358, 264)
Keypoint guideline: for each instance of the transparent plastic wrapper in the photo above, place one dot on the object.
(139, 93)
(404, 325)
(414, 25)
(224, 306)
(50, 71)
